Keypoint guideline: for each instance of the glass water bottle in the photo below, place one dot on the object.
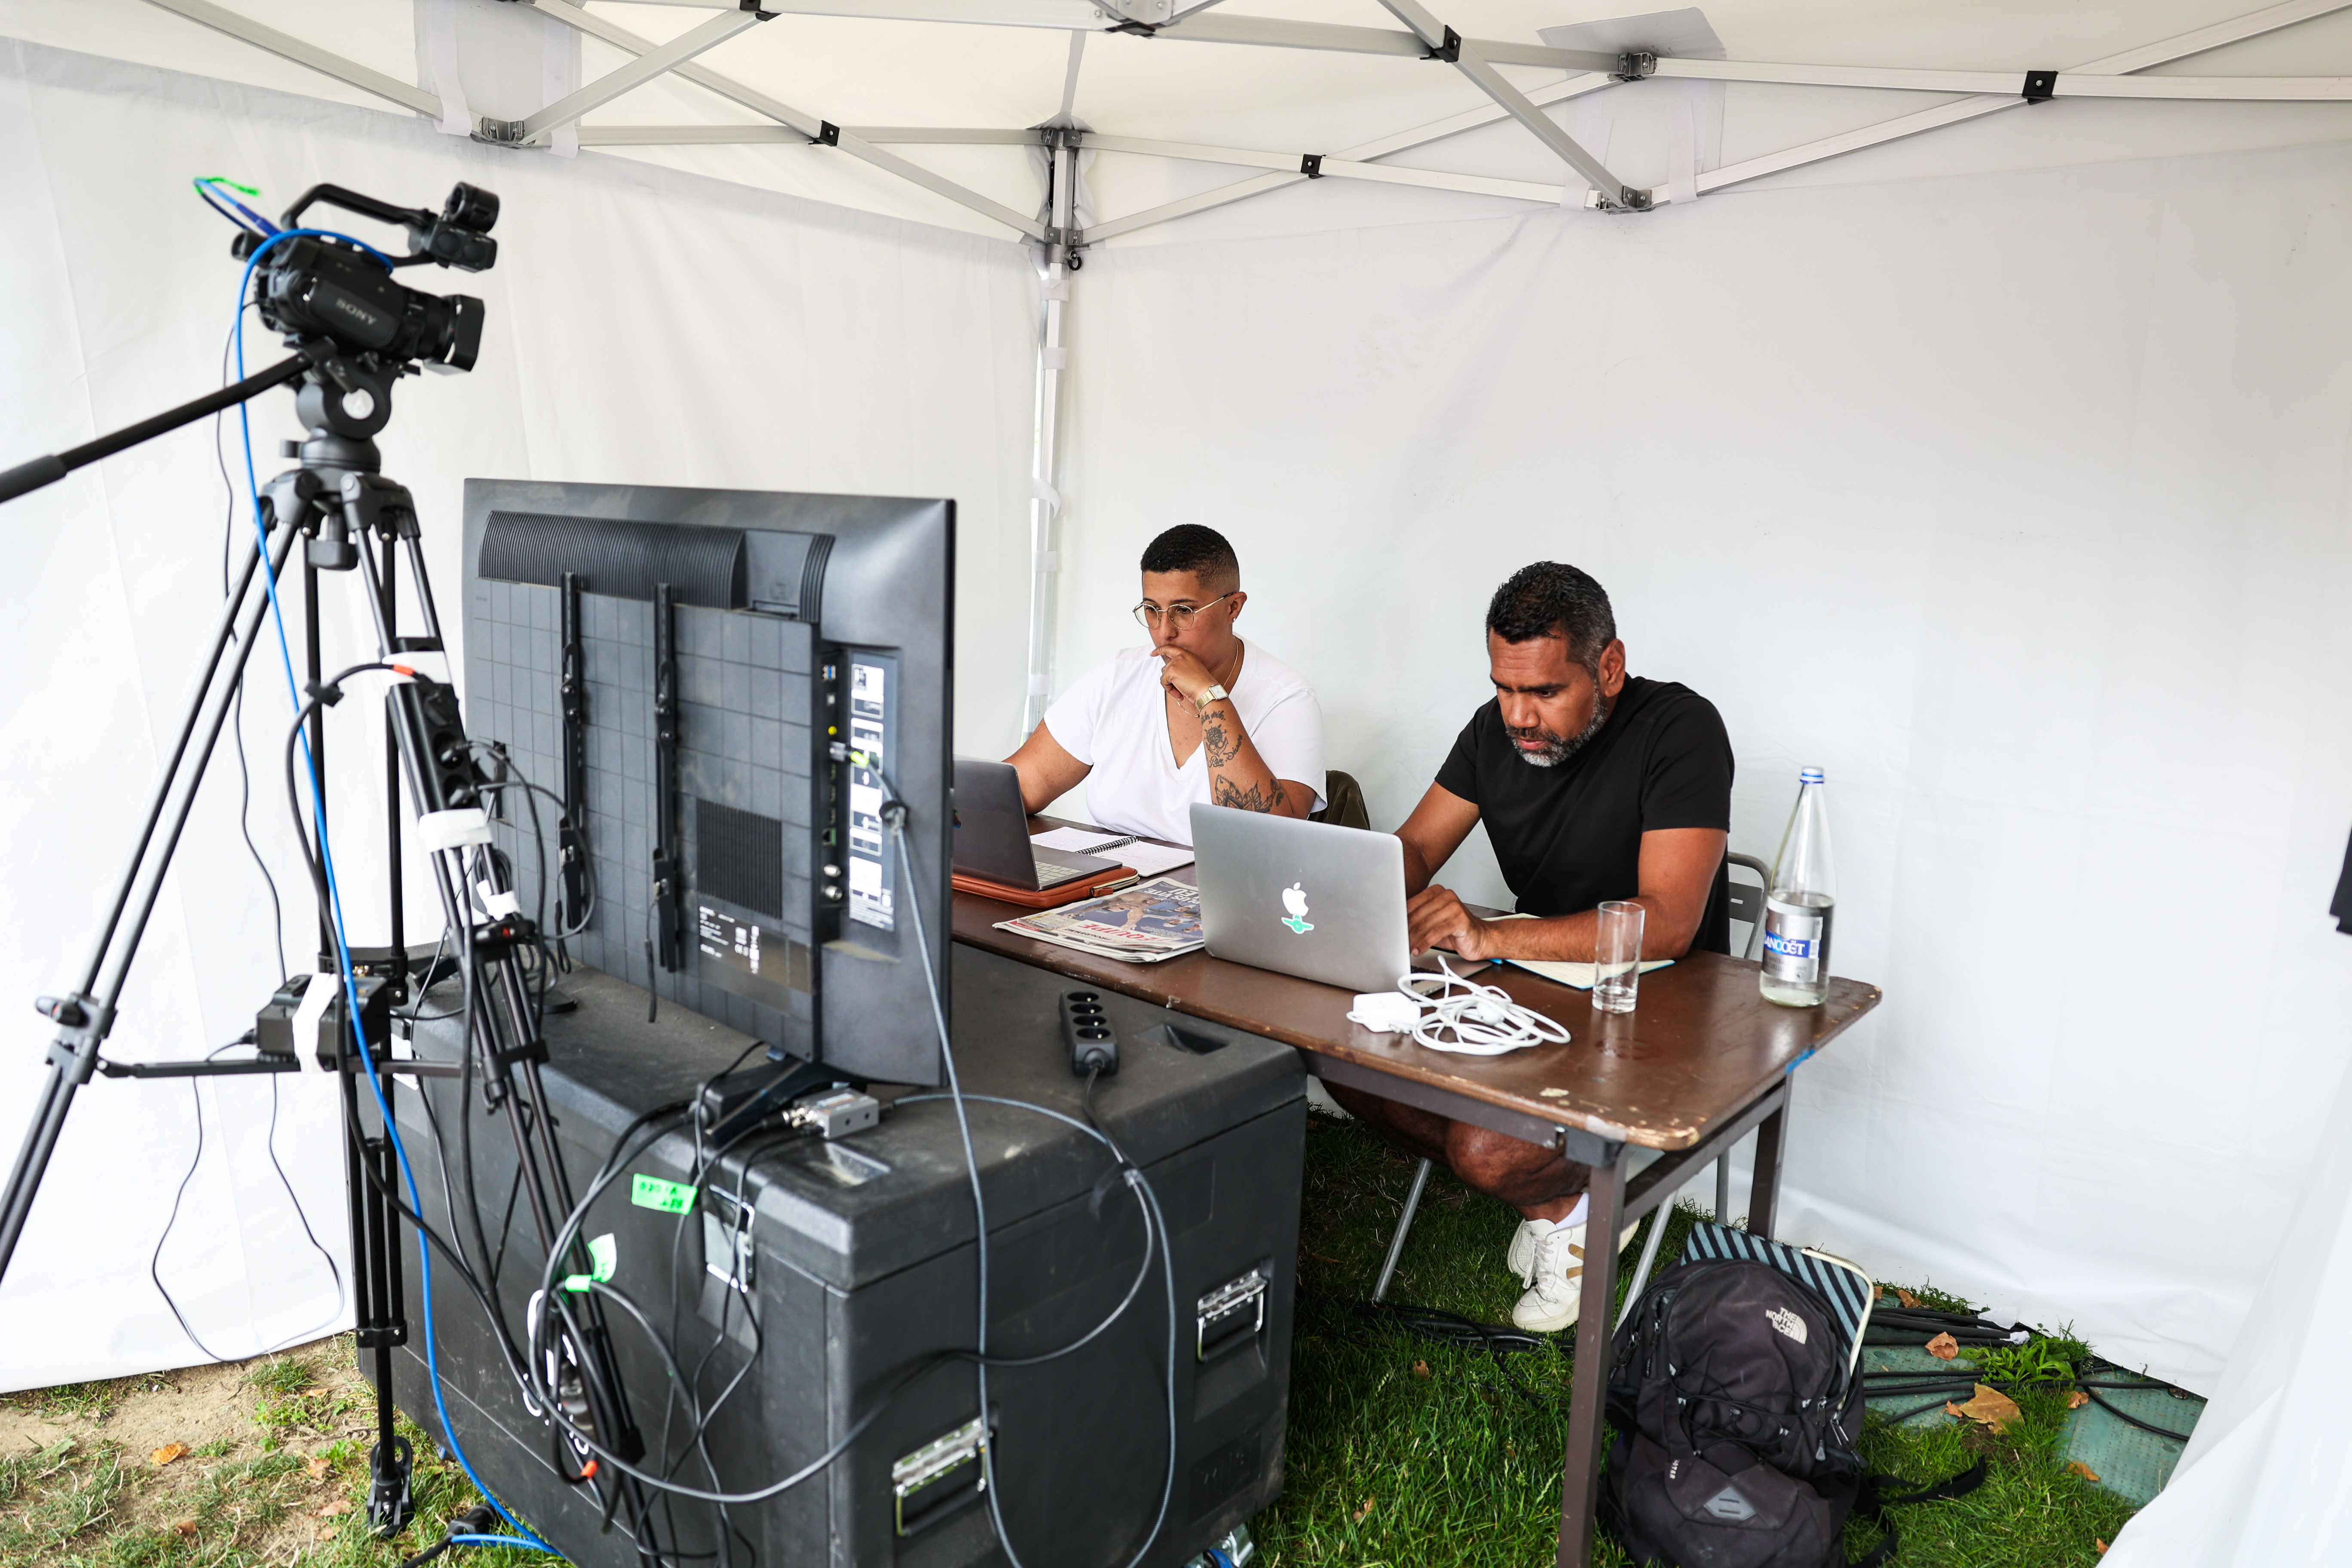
(1800, 903)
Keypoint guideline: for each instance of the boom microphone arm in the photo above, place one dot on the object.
(48, 471)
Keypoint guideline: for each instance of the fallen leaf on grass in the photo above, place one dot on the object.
(1421, 1369)
(2100, 1544)
(1989, 1405)
(1905, 1297)
(1943, 1347)
(185, 1526)
(1878, 1292)
(1364, 1510)
(2084, 1470)
(2076, 1400)
(340, 1506)
(314, 1391)
(319, 1467)
(168, 1452)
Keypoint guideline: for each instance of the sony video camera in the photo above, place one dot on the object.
(315, 287)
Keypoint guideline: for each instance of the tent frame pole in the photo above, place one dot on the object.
(1046, 490)
(1445, 43)
(285, 45)
(2252, 24)
(810, 126)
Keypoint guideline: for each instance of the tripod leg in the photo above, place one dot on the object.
(378, 1307)
(87, 1017)
(40, 1139)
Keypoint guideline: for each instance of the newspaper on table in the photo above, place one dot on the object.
(1143, 924)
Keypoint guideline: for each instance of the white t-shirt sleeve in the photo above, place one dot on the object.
(1289, 736)
(1078, 714)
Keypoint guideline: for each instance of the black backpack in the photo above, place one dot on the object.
(1735, 1393)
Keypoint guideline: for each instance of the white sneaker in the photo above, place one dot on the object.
(1557, 1281)
(1521, 1258)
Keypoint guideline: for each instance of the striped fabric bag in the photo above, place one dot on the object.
(1843, 1286)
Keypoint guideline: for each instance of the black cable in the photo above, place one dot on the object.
(154, 1262)
(2103, 1403)
(653, 970)
(532, 791)
(334, 1269)
(605, 1456)
(698, 1170)
(155, 1259)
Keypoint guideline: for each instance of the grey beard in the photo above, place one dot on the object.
(1559, 749)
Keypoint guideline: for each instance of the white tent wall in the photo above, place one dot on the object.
(645, 325)
(2015, 500)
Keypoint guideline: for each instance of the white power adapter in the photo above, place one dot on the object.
(1459, 1015)
(1386, 1012)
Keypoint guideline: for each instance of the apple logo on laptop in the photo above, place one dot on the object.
(1294, 901)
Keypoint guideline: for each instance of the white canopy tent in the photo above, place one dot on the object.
(1998, 469)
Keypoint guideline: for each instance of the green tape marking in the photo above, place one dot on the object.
(666, 1197)
(603, 1256)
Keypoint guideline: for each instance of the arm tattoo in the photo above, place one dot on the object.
(1217, 741)
(1254, 798)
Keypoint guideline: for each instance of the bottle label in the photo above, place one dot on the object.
(1796, 943)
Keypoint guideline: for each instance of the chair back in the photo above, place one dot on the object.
(1747, 903)
(1343, 802)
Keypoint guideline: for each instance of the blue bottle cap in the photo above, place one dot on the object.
(1809, 776)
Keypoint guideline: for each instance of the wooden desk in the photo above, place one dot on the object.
(1702, 1059)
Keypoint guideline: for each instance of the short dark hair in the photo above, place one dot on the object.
(1550, 599)
(1189, 547)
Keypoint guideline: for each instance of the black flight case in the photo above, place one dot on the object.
(861, 1264)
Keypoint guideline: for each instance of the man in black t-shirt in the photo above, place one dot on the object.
(1593, 784)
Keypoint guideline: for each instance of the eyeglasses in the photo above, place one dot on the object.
(1149, 615)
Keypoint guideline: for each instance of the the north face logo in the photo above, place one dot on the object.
(1786, 1323)
(1730, 1507)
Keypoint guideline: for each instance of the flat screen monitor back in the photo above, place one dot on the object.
(796, 624)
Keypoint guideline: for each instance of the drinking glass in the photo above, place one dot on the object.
(1617, 955)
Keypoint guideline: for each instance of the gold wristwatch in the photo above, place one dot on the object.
(1215, 694)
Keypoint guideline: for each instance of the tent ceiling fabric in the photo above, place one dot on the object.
(1268, 82)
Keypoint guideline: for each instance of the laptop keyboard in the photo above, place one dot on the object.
(1053, 873)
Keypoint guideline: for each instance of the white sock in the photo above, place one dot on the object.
(1574, 1216)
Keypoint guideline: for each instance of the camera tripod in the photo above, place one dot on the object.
(348, 516)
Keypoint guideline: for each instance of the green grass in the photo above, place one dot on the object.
(248, 1502)
(1459, 1460)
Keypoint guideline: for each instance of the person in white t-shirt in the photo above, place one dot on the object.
(1199, 715)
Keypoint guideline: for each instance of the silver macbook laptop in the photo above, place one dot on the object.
(1307, 898)
(991, 833)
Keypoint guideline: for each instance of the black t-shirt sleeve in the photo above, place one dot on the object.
(1687, 782)
(1459, 777)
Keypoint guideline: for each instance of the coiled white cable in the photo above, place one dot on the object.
(1482, 1020)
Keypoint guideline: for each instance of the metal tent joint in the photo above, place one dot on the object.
(1627, 200)
(1448, 48)
(1311, 165)
(1057, 138)
(498, 133)
(2041, 86)
(828, 134)
(1141, 17)
(1635, 65)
